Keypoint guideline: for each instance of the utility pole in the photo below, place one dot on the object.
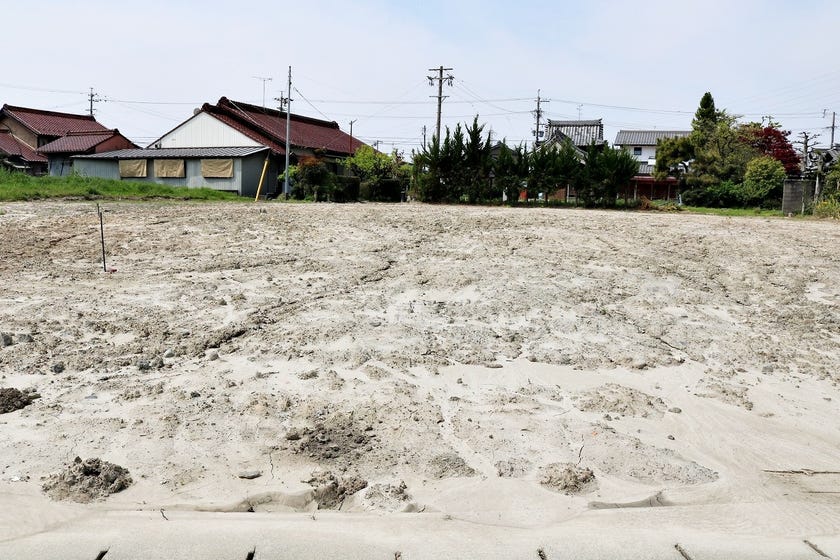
(351, 135)
(287, 103)
(93, 98)
(440, 78)
(424, 136)
(538, 116)
(833, 118)
(264, 80)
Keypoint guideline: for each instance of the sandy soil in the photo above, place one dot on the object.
(503, 366)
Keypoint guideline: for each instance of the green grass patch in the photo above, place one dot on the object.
(18, 186)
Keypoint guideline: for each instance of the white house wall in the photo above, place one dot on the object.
(204, 131)
(648, 152)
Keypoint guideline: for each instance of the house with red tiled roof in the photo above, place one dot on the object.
(231, 123)
(60, 152)
(27, 133)
(19, 156)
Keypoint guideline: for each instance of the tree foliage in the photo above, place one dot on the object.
(383, 177)
(713, 161)
(511, 170)
(461, 167)
(605, 171)
(771, 141)
(456, 168)
(764, 178)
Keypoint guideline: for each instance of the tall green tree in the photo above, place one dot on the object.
(706, 116)
(477, 163)
(607, 170)
(672, 157)
(511, 171)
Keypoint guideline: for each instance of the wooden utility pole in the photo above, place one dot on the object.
(440, 78)
(833, 118)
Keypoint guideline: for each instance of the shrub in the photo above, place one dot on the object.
(764, 179)
(382, 190)
(829, 208)
(346, 189)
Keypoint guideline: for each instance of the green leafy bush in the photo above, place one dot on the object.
(829, 208)
(763, 180)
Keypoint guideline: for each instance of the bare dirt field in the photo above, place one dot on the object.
(506, 367)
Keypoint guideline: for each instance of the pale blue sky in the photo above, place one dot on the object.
(634, 64)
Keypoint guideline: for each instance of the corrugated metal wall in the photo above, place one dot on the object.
(104, 168)
(110, 169)
(204, 131)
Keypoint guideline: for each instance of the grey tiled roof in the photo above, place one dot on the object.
(646, 137)
(645, 169)
(180, 153)
(581, 133)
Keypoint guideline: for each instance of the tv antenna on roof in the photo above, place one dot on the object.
(264, 80)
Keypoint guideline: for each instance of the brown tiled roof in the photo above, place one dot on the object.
(78, 142)
(51, 123)
(270, 125)
(11, 146)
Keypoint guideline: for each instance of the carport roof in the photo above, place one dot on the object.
(176, 153)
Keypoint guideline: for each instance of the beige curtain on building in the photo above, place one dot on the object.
(170, 168)
(132, 168)
(217, 168)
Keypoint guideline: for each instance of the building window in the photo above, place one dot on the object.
(637, 151)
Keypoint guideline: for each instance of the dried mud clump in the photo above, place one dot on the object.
(618, 399)
(449, 465)
(388, 497)
(568, 478)
(12, 399)
(87, 480)
(331, 490)
(335, 439)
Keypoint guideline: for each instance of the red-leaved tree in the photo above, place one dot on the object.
(771, 141)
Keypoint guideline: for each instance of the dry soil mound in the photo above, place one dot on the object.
(87, 481)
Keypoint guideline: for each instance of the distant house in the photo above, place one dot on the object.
(19, 156)
(582, 134)
(642, 145)
(232, 169)
(59, 152)
(33, 130)
(236, 124)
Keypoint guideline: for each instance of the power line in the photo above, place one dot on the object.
(45, 90)
(310, 104)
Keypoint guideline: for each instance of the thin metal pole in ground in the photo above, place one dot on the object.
(102, 235)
